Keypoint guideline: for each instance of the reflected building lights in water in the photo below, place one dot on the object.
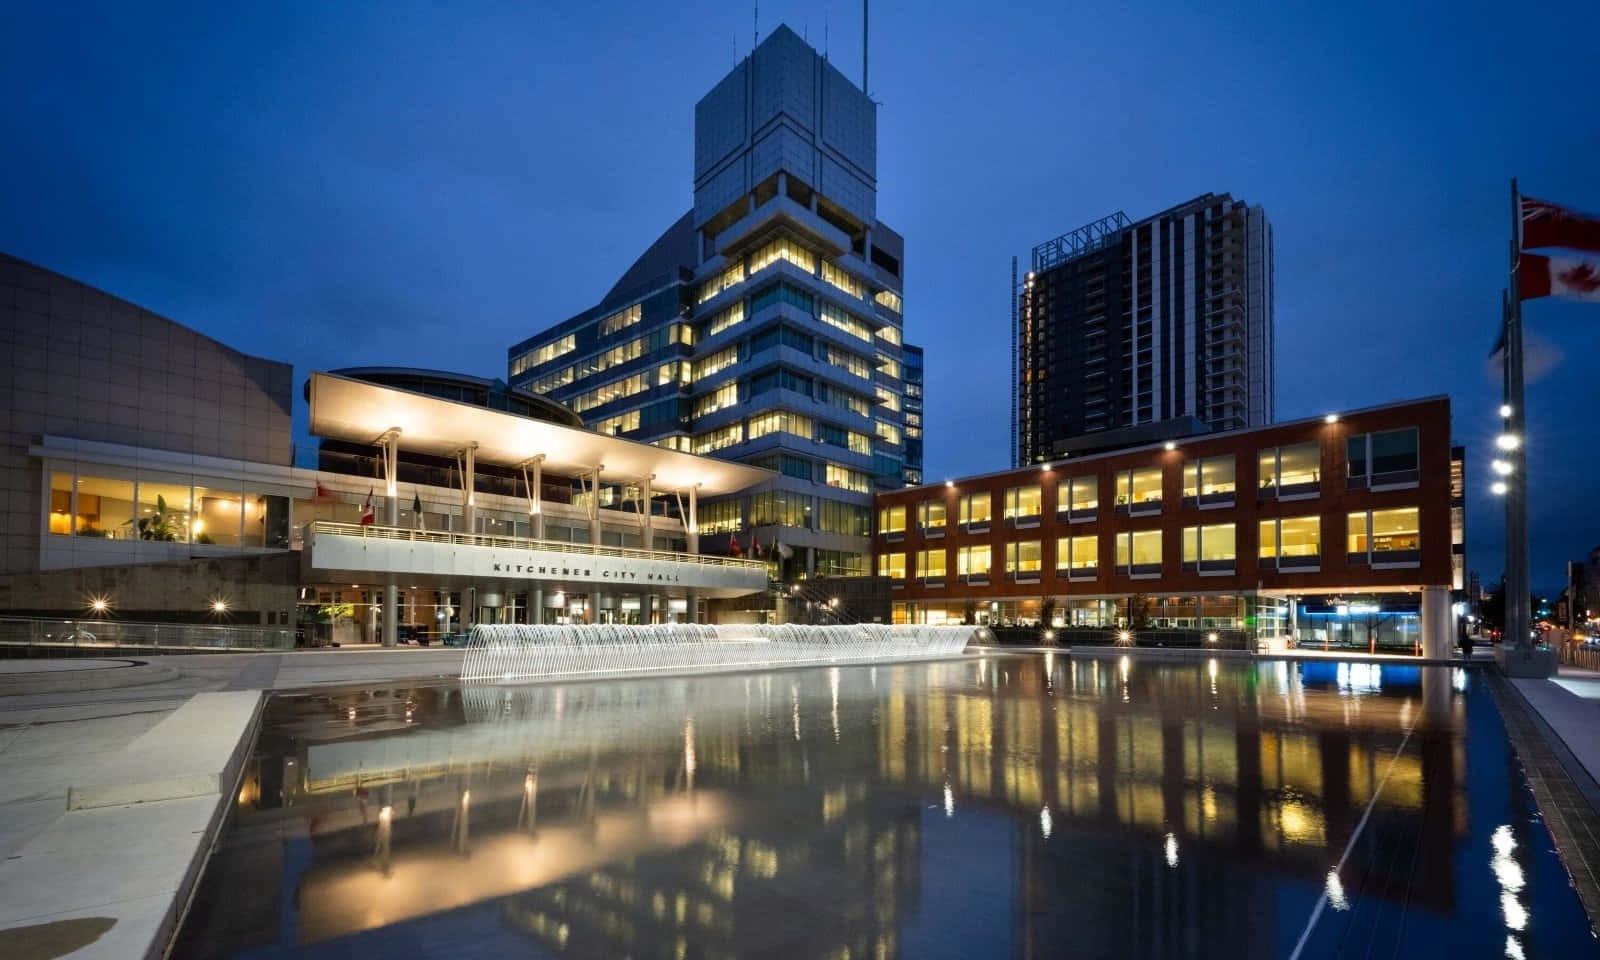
(1508, 873)
(833, 689)
(1260, 789)
(1335, 890)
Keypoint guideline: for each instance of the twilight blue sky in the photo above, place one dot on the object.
(349, 183)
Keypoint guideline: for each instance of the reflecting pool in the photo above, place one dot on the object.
(1014, 805)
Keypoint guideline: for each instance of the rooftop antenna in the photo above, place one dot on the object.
(864, 48)
(755, 20)
(824, 33)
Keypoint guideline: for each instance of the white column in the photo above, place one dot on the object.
(692, 528)
(534, 483)
(594, 508)
(391, 517)
(1437, 634)
(536, 606)
(469, 499)
(647, 538)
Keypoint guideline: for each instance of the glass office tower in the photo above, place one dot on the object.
(765, 324)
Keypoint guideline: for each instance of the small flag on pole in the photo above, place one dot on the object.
(733, 546)
(366, 510)
(416, 509)
(755, 546)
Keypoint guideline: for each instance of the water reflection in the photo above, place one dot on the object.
(1122, 809)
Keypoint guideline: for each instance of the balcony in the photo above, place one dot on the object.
(349, 551)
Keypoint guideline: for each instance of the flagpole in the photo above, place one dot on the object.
(1518, 614)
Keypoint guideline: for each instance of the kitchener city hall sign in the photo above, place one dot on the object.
(351, 556)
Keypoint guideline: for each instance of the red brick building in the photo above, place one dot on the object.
(1338, 530)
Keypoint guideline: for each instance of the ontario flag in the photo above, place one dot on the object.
(733, 546)
(1571, 278)
(366, 510)
(1545, 224)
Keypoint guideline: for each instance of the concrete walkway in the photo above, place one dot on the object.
(148, 769)
(1570, 704)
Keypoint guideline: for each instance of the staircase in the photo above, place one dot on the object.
(814, 603)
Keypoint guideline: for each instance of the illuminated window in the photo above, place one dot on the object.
(621, 423)
(1080, 554)
(1139, 551)
(1209, 481)
(888, 399)
(61, 504)
(552, 380)
(888, 366)
(724, 516)
(782, 508)
(1024, 502)
(975, 509)
(1291, 472)
(931, 563)
(973, 562)
(891, 333)
(847, 479)
(729, 316)
(782, 249)
(620, 320)
(1139, 490)
(930, 516)
(780, 421)
(105, 508)
(546, 353)
(892, 565)
(730, 277)
(887, 432)
(673, 371)
(717, 439)
(890, 299)
(714, 363)
(1078, 497)
(845, 360)
(723, 397)
(1292, 543)
(844, 281)
(1024, 557)
(844, 320)
(616, 390)
(892, 519)
(1384, 537)
(1210, 549)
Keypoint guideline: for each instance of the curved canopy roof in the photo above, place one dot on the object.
(361, 412)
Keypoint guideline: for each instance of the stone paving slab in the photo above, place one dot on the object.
(194, 751)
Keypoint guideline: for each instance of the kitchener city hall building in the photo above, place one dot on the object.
(1342, 530)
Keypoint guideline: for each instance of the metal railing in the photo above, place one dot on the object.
(375, 532)
(100, 633)
(1578, 654)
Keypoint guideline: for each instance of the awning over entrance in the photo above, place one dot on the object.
(352, 410)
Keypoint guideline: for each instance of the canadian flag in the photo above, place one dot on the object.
(755, 546)
(366, 510)
(1571, 278)
(1545, 224)
(733, 546)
